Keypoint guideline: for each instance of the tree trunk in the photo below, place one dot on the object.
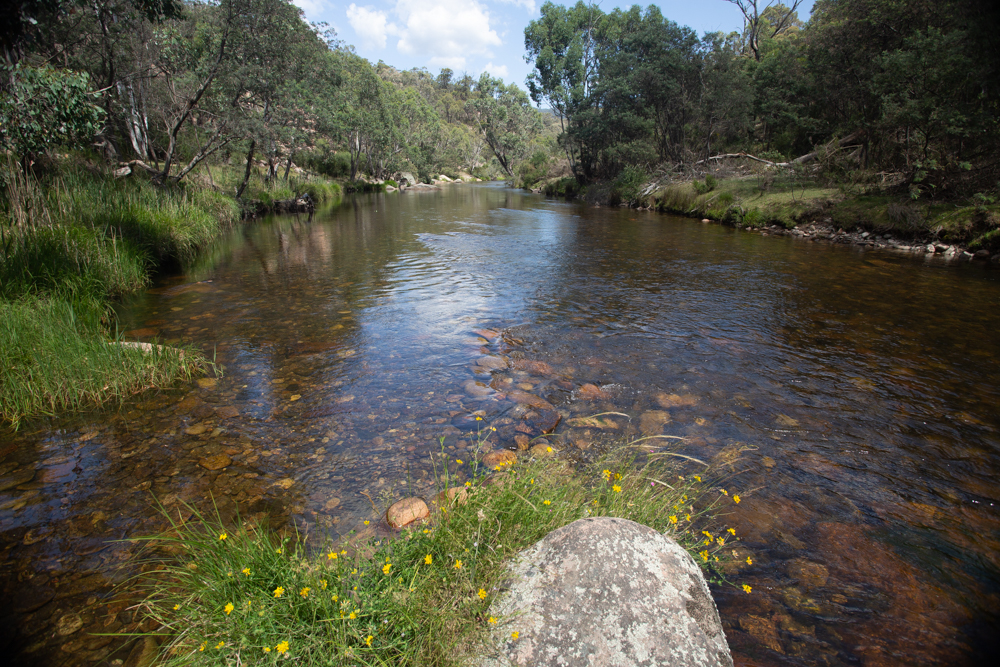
(246, 174)
(288, 166)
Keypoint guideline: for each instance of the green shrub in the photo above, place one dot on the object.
(627, 186)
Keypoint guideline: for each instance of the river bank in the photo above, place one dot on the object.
(804, 208)
(78, 240)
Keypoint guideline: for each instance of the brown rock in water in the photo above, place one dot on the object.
(522, 441)
(808, 573)
(197, 429)
(492, 363)
(534, 367)
(544, 420)
(407, 511)
(488, 334)
(651, 423)
(762, 630)
(207, 383)
(499, 458)
(227, 412)
(144, 653)
(476, 389)
(606, 592)
(454, 495)
(591, 392)
(524, 398)
(17, 478)
(216, 462)
(675, 401)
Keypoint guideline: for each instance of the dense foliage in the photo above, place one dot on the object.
(916, 85)
(164, 86)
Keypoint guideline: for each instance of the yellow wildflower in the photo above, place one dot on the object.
(386, 568)
(458, 461)
(698, 477)
(704, 555)
(616, 488)
(322, 584)
(736, 499)
(228, 608)
(747, 588)
(724, 492)
(368, 640)
(279, 551)
(687, 517)
(220, 645)
(492, 621)
(482, 594)
(332, 555)
(305, 592)
(547, 502)
(352, 616)
(468, 485)
(367, 522)
(749, 562)
(731, 531)
(282, 647)
(721, 541)
(479, 419)
(267, 649)
(246, 571)
(428, 559)
(223, 536)
(673, 519)
(458, 565)
(548, 449)
(203, 645)
(176, 607)
(606, 473)
(279, 591)
(514, 635)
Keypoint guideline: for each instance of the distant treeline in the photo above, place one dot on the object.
(164, 85)
(914, 83)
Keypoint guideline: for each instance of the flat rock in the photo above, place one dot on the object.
(454, 495)
(197, 429)
(534, 367)
(540, 451)
(207, 383)
(68, 624)
(676, 400)
(407, 511)
(544, 420)
(607, 592)
(524, 398)
(492, 363)
(522, 441)
(591, 392)
(215, 462)
(227, 412)
(499, 458)
(476, 389)
(488, 334)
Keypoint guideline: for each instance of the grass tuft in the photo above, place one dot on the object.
(239, 595)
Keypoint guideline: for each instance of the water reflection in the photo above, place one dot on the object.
(861, 387)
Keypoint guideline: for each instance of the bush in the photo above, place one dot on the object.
(627, 186)
(534, 170)
(703, 188)
(567, 187)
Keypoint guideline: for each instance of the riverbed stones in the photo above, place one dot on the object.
(492, 363)
(808, 573)
(17, 478)
(591, 392)
(606, 592)
(541, 451)
(407, 511)
(197, 429)
(68, 624)
(499, 459)
(207, 383)
(476, 389)
(215, 462)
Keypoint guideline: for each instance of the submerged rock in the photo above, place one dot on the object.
(499, 458)
(606, 591)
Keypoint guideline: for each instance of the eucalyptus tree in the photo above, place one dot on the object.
(506, 120)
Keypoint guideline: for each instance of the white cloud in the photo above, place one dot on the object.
(370, 24)
(527, 4)
(312, 8)
(499, 71)
(445, 29)
(456, 63)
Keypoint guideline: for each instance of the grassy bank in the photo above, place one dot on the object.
(72, 240)
(788, 200)
(237, 595)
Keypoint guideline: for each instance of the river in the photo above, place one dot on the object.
(855, 395)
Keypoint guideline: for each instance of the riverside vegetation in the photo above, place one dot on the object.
(224, 594)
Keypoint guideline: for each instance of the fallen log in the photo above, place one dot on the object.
(804, 159)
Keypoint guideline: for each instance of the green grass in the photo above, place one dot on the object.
(238, 595)
(56, 356)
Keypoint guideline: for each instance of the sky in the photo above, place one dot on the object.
(473, 36)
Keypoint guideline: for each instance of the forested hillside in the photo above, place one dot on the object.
(165, 85)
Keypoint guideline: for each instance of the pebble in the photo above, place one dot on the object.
(216, 462)
(499, 458)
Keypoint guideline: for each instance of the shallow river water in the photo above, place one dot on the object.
(859, 391)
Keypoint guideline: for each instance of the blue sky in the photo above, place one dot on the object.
(478, 35)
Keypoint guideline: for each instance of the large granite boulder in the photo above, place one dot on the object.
(606, 591)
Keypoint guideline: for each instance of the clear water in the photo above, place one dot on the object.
(862, 388)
